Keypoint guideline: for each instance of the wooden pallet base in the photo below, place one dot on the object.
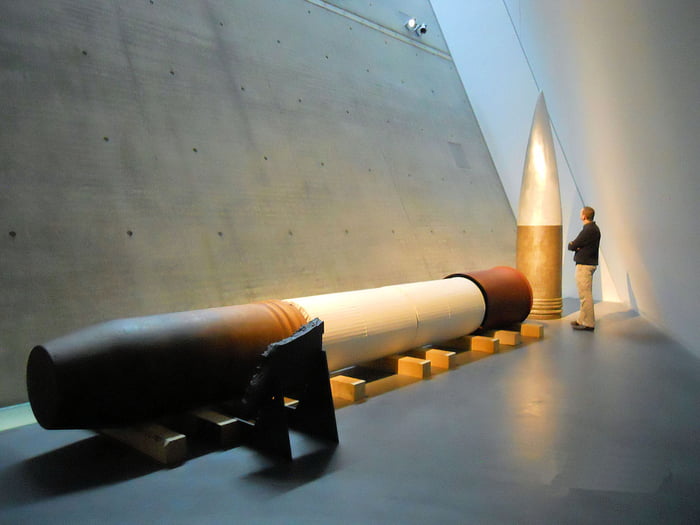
(535, 330)
(348, 388)
(160, 443)
(440, 359)
(409, 367)
(170, 447)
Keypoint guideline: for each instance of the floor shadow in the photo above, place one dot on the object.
(631, 295)
(85, 464)
(315, 460)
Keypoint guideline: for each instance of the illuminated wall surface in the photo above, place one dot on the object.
(621, 81)
(169, 156)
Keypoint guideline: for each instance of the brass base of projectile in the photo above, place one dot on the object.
(539, 257)
(546, 308)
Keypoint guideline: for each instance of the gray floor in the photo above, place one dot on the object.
(599, 427)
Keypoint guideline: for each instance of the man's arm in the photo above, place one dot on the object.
(580, 241)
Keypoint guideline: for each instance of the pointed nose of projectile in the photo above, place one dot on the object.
(540, 201)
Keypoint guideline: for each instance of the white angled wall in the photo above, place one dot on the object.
(621, 81)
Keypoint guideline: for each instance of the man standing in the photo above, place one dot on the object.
(585, 246)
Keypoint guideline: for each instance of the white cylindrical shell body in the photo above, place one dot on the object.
(369, 324)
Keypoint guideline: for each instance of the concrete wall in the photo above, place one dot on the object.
(164, 156)
(620, 78)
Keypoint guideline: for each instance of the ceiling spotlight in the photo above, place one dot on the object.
(413, 25)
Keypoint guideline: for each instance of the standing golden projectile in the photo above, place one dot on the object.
(539, 240)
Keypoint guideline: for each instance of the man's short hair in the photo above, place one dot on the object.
(588, 213)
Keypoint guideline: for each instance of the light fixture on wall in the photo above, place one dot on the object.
(413, 25)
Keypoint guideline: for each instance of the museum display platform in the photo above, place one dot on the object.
(584, 427)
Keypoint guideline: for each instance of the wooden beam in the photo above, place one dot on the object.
(156, 441)
(348, 388)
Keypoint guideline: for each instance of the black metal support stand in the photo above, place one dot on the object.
(295, 368)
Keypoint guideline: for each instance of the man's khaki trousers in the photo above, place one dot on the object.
(584, 283)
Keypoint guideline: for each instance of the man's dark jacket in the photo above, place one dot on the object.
(586, 245)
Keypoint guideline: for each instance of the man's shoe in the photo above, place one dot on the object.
(575, 323)
(583, 327)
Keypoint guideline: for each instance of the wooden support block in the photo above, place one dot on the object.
(482, 343)
(414, 367)
(532, 330)
(507, 337)
(156, 441)
(405, 366)
(291, 403)
(443, 359)
(348, 388)
(227, 429)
